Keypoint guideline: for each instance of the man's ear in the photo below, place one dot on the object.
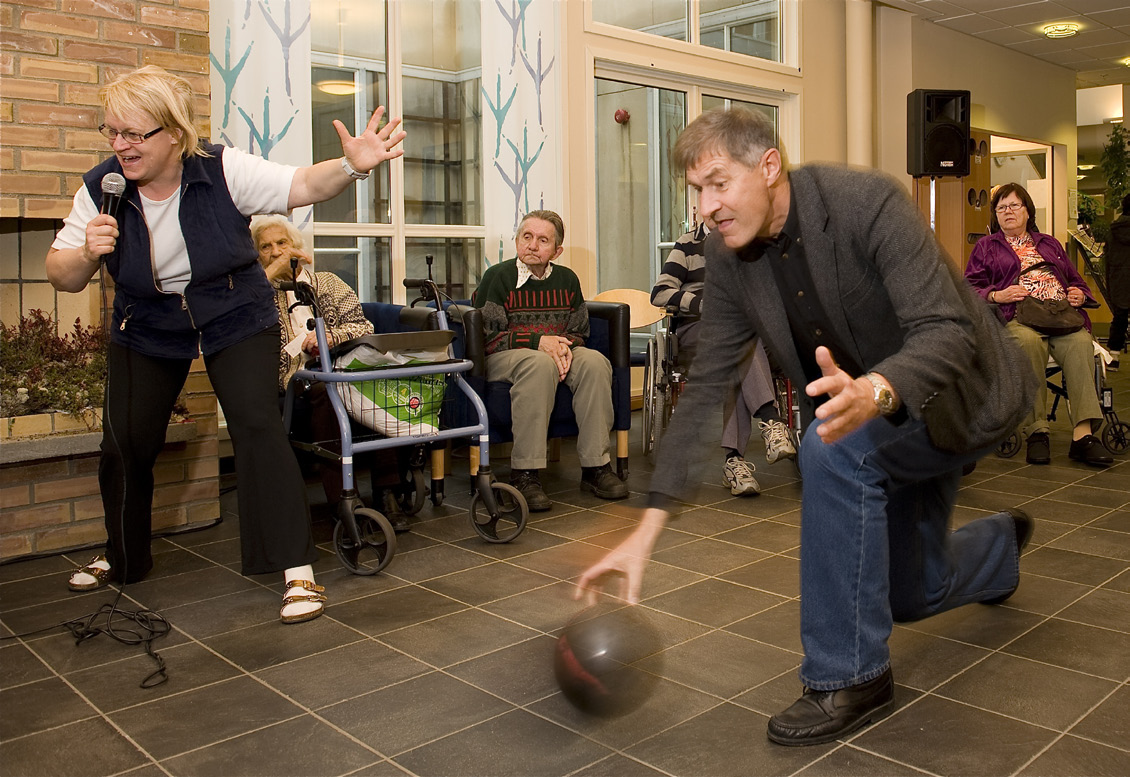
(557, 253)
(772, 165)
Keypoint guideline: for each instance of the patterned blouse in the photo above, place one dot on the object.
(1041, 284)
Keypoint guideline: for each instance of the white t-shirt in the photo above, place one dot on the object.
(256, 186)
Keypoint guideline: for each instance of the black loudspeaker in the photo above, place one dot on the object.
(937, 132)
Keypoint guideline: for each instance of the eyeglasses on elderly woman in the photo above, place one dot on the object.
(1009, 208)
(129, 136)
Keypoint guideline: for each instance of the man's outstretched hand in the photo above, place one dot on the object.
(851, 401)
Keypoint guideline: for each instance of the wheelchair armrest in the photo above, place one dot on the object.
(470, 319)
(618, 316)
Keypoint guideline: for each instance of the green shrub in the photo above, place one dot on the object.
(41, 371)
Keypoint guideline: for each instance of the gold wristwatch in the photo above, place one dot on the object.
(884, 397)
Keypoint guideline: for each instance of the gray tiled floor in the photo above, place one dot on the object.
(441, 664)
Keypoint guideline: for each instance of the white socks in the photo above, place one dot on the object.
(298, 609)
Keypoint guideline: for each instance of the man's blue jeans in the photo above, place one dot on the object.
(876, 547)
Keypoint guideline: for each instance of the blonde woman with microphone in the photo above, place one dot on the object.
(187, 280)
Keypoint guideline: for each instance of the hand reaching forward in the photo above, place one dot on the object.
(851, 402)
(371, 146)
(627, 560)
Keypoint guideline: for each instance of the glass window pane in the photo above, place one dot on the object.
(345, 94)
(709, 102)
(743, 26)
(351, 28)
(362, 262)
(641, 200)
(666, 18)
(456, 264)
(442, 73)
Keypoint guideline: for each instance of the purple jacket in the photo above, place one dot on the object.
(993, 266)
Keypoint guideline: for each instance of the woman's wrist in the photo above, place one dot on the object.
(993, 296)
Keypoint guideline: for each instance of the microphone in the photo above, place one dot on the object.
(113, 187)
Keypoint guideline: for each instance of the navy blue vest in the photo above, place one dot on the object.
(228, 298)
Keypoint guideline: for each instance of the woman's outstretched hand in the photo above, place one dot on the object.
(372, 146)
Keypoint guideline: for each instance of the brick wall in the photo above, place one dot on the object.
(54, 57)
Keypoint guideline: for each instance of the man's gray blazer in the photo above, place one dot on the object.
(895, 301)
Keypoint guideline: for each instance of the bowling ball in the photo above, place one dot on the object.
(593, 659)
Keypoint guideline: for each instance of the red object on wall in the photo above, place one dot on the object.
(621, 116)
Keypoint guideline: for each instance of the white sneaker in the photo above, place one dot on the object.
(778, 441)
(738, 475)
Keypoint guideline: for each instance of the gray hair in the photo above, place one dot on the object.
(742, 135)
(259, 223)
(551, 217)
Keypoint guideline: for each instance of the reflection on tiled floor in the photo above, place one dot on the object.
(441, 665)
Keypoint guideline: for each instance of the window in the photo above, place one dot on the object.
(382, 230)
(750, 27)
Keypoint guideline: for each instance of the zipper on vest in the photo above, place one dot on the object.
(231, 283)
(129, 312)
(184, 307)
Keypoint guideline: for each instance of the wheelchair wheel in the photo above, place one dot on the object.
(661, 410)
(1010, 447)
(411, 492)
(1116, 437)
(509, 519)
(377, 546)
(650, 370)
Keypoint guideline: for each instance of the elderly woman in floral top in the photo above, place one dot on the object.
(278, 242)
(994, 270)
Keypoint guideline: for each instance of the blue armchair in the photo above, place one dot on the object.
(609, 324)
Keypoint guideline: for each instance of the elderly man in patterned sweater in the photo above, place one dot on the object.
(680, 284)
(536, 323)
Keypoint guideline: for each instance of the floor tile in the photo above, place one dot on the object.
(1077, 646)
(38, 706)
(1028, 690)
(517, 744)
(201, 717)
(414, 712)
(297, 746)
(1071, 756)
(90, 747)
(1108, 722)
(479, 633)
(947, 738)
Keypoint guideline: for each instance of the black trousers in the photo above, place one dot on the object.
(274, 518)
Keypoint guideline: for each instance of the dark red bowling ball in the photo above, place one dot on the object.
(594, 662)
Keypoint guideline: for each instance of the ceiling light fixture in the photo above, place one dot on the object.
(1086, 167)
(337, 87)
(1065, 30)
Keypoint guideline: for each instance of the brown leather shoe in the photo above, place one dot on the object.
(823, 716)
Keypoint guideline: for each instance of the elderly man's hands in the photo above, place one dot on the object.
(851, 402)
(560, 350)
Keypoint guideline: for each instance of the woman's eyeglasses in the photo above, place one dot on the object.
(1008, 208)
(129, 136)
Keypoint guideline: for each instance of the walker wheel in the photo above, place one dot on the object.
(377, 546)
(410, 494)
(1116, 437)
(510, 518)
(1010, 447)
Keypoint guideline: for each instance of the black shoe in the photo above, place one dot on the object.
(603, 483)
(1090, 450)
(391, 510)
(1113, 366)
(528, 484)
(823, 716)
(1023, 525)
(1039, 450)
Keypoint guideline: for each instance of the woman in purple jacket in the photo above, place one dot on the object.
(1013, 245)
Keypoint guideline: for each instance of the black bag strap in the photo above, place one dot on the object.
(1037, 266)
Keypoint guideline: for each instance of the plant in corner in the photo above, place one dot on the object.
(1115, 163)
(42, 371)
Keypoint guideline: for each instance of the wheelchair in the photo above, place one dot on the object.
(664, 379)
(1116, 433)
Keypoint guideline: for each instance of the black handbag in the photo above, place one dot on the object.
(1051, 317)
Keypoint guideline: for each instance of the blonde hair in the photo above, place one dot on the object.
(162, 95)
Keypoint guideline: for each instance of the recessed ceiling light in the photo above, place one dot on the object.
(337, 87)
(1065, 30)
(1086, 167)
(1080, 177)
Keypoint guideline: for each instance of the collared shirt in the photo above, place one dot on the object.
(524, 273)
(808, 320)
